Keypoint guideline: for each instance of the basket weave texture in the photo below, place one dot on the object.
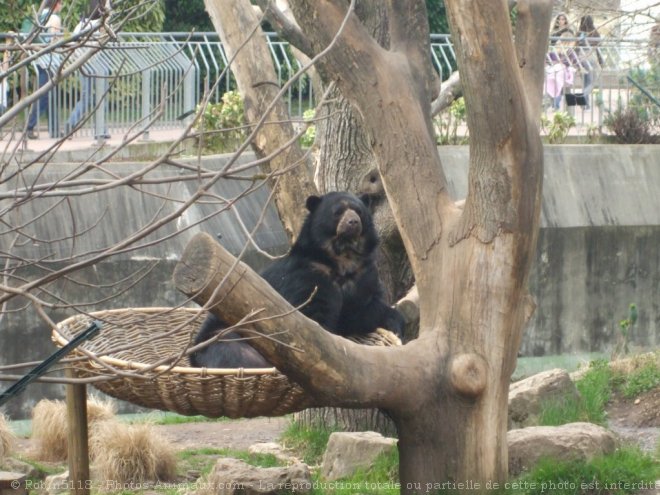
(138, 340)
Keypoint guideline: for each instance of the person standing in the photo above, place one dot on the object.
(588, 41)
(560, 27)
(90, 23)
(53, 29)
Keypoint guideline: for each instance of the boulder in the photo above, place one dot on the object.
(567, 442)
(349, 451)
(526, 397)
(12, 483)
(234, 477)
(11, 464)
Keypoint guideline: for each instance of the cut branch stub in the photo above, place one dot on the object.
(469, 374)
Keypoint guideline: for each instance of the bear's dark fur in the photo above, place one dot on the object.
(334, 254)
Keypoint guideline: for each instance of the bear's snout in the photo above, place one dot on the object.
(349, 225)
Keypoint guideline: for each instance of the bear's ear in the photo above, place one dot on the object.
(312, 203)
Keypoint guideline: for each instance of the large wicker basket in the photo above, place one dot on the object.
(136, 339)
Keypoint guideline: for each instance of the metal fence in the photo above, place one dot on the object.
(158, 79)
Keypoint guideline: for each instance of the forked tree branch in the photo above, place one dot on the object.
(506, 161)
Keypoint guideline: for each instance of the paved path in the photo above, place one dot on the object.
(9, 141)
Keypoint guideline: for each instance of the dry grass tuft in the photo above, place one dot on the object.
(634, 363)
(6, 438)
(49, 426)
(131, 453)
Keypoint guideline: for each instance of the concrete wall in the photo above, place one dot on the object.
(598, 249)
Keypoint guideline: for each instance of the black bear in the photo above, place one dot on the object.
(334, 255)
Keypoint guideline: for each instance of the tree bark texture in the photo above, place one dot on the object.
(244, 40)
(447, 390)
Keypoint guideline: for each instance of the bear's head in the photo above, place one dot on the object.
(338, 223)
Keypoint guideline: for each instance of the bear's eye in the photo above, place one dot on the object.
(337, 212)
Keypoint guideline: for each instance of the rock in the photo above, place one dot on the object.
(11, 464)
(566, 442)
(526, 397)
(274, 449)
(12, 483)
(350, 451)
(58, 483)
(233, 477)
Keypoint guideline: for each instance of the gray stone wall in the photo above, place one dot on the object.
(598, 248)
(597, 252)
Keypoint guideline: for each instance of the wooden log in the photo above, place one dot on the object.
(76, 404)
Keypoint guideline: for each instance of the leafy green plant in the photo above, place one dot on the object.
(558, 127)
(448, 122)
(307, 139)
(223, 124)
(625, 328)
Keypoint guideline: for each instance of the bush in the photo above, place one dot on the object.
(557, 129)
(223, 124)
(631, 126)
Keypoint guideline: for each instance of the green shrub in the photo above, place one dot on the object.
(307, 139)
(557, 129)
(223, 124)
(447, 123)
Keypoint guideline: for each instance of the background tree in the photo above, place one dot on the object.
(186, 16)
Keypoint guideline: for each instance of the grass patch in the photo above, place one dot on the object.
(308, 443)
(381, 479)
(621, 472)
(641, 380)
(561, 412)
(167, 418)
(631, 378)
(595, 392)
(204, 459)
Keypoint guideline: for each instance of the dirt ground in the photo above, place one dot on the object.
(231, 434)
(637, 420)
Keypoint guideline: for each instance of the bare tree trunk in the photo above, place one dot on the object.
(242, 37)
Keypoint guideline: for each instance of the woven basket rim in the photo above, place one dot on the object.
(62, 340)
